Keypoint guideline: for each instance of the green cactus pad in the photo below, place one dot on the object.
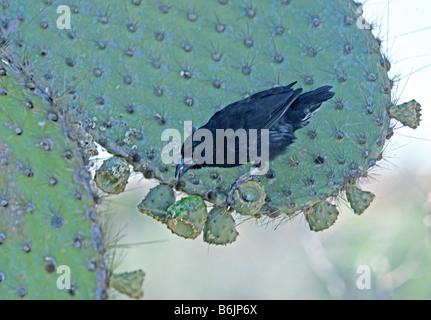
(144, 67)
(112, 175)
(187, 217)
(51, 243)
(128, 283)
(219, 228)
(408, 113)
(250, 198)
(322, 216)
(157, 201)
(359, 200)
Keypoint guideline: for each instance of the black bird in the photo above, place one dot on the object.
(282, 110)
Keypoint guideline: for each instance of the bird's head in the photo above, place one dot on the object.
(186, 160)
(182, 167)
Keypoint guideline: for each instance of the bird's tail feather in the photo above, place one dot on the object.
(308, 103)
(313, 99)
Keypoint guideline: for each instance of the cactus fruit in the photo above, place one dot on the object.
(112, 175)
(184, 218)
(249, 198)
(187, 217)
(322, 216)
(157, 201)
(219, 228)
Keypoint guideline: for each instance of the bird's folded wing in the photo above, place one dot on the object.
(259, 111)
(280, 108)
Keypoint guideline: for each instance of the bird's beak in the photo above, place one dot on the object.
(182, 168)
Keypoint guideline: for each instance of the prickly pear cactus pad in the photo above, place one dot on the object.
(220, 228)
(128, 283)
(408, 113)
(322, 216)
(359, 200)
(132, 69)
(51, 243)
(112, 175)
(157, 201)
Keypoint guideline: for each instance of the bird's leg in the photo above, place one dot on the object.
(246, 177)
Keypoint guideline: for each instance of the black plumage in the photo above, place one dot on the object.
(282, 110)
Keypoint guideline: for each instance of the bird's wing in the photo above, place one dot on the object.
(279, 106)
(259, 111)
(265, 108)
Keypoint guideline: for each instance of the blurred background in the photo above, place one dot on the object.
(383, 254)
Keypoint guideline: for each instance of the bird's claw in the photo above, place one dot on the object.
(237, 186)
(229, 199)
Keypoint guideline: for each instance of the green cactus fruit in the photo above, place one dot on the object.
(187, 217)
(249, 198)
(322, 216)
(52, 245)
(112, 175)
(135, 76)
(359, 200)
(219, 228)
(408, 113)
(157, 202)
(128, 283)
